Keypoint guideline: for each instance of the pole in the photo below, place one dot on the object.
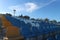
(14, 11)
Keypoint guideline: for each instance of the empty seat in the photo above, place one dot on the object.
(26, 30)
(58, 37)
(35, 31)
(50, 38)
(46, 28)
(41, 31)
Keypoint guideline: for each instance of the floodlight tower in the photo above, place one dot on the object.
(14, 12)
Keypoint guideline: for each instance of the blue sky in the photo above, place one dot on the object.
(33, 8)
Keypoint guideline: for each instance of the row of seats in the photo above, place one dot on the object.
(28, 30)
(14, 21)
(55, 37)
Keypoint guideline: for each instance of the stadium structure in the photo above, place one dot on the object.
(18, 28)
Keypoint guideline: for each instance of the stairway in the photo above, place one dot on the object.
(1, 33)
(11, 31)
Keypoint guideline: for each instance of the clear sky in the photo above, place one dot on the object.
(33, 8)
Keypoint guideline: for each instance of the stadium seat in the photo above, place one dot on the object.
(58, 37)
(26, 30)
